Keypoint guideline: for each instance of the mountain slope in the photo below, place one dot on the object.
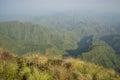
(10, 44)
(96, 51)
(113, 41)
(102, 55)
(61, 33)
(57, 35)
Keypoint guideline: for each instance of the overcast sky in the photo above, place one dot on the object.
(33, 7)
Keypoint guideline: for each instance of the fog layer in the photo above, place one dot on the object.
(19, 8)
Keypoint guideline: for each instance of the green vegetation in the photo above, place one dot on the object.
(92, 39)
(113, 41)
(38, 67)
(56, 33)
(101, 55)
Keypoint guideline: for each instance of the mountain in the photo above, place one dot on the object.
(113, 41)
(94, 39)
(95, 50)
(58, 32)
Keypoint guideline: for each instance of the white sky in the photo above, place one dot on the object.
(32, 7)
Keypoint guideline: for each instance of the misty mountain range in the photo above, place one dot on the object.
(56, 32)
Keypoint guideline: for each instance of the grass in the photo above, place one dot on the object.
(38, 67)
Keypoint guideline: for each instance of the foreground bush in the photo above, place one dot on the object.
(37, 67)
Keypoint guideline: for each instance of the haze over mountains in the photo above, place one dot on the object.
(25, 9)
(88, 30)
